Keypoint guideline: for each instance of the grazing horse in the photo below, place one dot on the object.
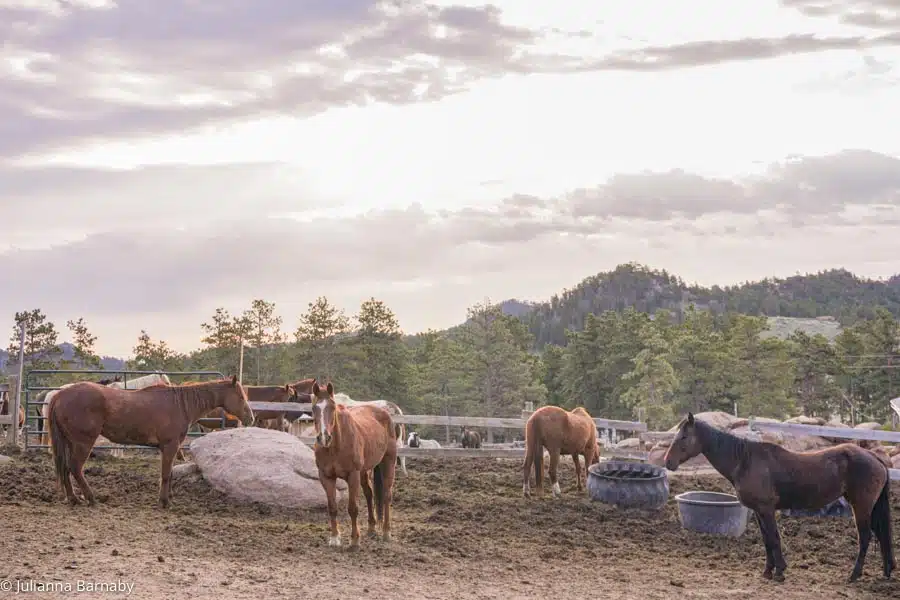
(560, 432)
(768, 477)
(470, 439)
(393, 409)
(155, 416)
(350, 442)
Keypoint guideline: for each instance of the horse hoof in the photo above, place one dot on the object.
(386, 537)
(372, 533)
(778, 577)
(854, 577)
(334, 541)
(354, 545)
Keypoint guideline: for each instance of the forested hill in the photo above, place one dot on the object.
(837, 293)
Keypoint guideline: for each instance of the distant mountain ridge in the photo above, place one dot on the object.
(110, 363)
(822, 302)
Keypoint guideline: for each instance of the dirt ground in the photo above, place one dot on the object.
(462, 530)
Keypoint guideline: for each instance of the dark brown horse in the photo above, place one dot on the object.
(154, 416)
(470, 439)
(768, 477)
(351, 442)
(560, 432)
(270, 419)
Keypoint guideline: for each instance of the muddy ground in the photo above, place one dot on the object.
(462, 530)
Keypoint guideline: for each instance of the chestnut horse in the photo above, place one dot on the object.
(154, 416)
(768, 477)
(560, 432)
(4, 408)
(350, 442)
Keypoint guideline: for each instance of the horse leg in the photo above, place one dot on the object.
(578, 485)
(554, 475)
(330, 486)
(526, 473)
(366, 484)
(390, 471)
(353, 507)
(770, 560)
(80, 454)
(165, 474)
(768, 517)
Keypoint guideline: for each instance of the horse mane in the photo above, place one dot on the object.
(719, 442)
(580, 410)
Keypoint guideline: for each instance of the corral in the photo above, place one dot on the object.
(462, 530)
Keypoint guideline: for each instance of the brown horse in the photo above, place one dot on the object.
(470, 439)
(768, 477)
(4, 408)
(154, 416)
(560, 432)
(270, 419)
(350, 442)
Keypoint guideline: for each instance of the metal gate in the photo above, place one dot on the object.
(33, 386)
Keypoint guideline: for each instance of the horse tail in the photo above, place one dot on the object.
(60, 446)
(534, 449)
(881, 522)
(378, 491)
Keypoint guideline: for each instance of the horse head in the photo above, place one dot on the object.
(324, 410)
(686, 444)
(236, 402)
(413, 440)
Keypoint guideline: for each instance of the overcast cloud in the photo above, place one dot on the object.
(160, 247)
(74, 72)
(821, 204)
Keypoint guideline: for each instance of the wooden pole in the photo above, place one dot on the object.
(14, 408)
(241, 362)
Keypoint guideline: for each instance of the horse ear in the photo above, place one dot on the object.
(690, 418)
(315, 389)
(287, 387)
(234, 380)
(330, 389)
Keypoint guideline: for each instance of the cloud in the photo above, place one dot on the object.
(714, 52)
(872, 14)
(85, 71)
(809, 185)
(161, 271)
(43, 203)
(72, 72)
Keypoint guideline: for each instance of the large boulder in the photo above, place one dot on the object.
(716, 418)
(252, 464)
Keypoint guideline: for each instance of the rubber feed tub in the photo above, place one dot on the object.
(712, 512)
(628, 484)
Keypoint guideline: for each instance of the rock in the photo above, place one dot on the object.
(882, 454)
(870, 425)
(804, 420)
(631, 443)
(252, 464)
(716, 418)
(4, 459)
(187, 471)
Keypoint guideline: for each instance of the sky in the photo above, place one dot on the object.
(162, 158)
